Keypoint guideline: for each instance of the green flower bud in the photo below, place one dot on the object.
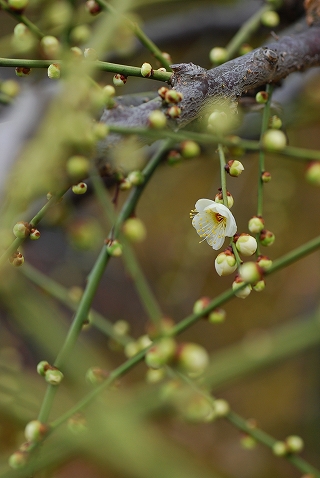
(218, 55)
(246, 244)
(217, 316)
(192, 358)
(279, 448)
(35, 431)
(157, 119)
(256, 224)
(219, 198)
(50, 46)
(250, 272)
(10, 88)
(201, 304)
(134, 229)
(189, 149)
(234, 168)
(18, 5)
(162, 92)
(54, 71)
(245, 48)
(262, 97)
(313, 173)
(76, 52)
(119, 80)
(77, 167)
(294, 444)
(174, 111)
(96, 375)
(90, 54)
(125, 185)
(80, 188)
(248, 442)
(270, 19)
(266, 177)
(217, 120)
(167, 56)
(221, 407)
(53, 376)
(131, 349)
(197, 408)
(121, 327)
(16, 259)
(80, 34)
(173, 158)
(161, 329)
(155, 375)
(146, 70)
(109, 91)
(21, 229)
(259, 286)
(18, 459)
(264, 262)
(34, 234)
(100, 130)
(225, 263)
(20, 31)
(42, 367)
(136, 178)
(275, 122)
(173, 96)
(77, 424)
(241, 292)
(266, 237)
(274, 140)
(161, 353)
(115, 249)
(22, 71)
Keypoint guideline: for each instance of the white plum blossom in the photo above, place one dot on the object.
(213, 222)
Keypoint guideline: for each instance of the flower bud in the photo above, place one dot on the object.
(20, 31)
(279, 448)
(189, 149)
(201, 304)
(54, 71)
(80, 188)
(53, 376)
(42, 367)
(192, 358)
(217, 316)
(10, 88)
(21, 229)
(221, 407)
(93, 7)
(96, 375)
(250, 272)
(217, 120)
(234, 168)
(121, 327)
(161, 329)
(197, 408)
(174, 111)
(173, 96)
(219, 198)
(109, 91)
(173, 158)
(266, 177)
(275, 122)
(16, 259)
(35, 431)
(266, 237)
(248, 442)
(22, 71)
(100, 130)
(125, 185)
(167, 57)
(34, 234)
(77, 167)
(136, 178)
(218, 55)
(134, 229)
(264, 262)
(146, 70)
(50, 46)
(162, 92)
(274, 140)
(18, 459)
(157, 119)
(256, 224)
(241, 292)
(270, 19)
(155, 375)
(313, 173)
(18, 5)
(80, 34)
(119, 80)
(131, 349)
(294, 444)
(90, 54)
(115, 249)
(246, 244)
(225, 263)
(259, 286)
(262, 97)
(161, 353)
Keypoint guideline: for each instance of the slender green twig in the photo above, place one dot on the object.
(223, 175)
(22, 19)
(99, 65)
(152, 47)
(246, 30)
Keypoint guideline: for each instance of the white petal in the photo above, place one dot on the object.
(215, 242)
(231, 228)
(219, 208)
(201, 204)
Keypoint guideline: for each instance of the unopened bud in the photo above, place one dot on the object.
(219, 198)
(80, 188)
(146, 70)
(162, 91)
(192, 358)
(250, 272)
(294, 444)
(201, 304)
(136, 178)
(313, 173)
(16, 259)
(259, 286)
(225, 263)
(54, 71)
(134, 229)
(161, 352)
(218, 55)
(21, 229)
(34, 234)
(241, 291)
(173, 96)
(256, 224)
(234, 168)
(119, 80)
(22, 71)
(270, 19)
(189, 149)
(217, 316)
(50, 46)
(264, 262)
(174, 111)
(53, 376)
(246, 244)
(266, 237)
(262, 97)
(77, 167)
(266, 177)
(18, 5)
(157, 119)
(115, 249)
(90, 54)
(35, 431)
(93, 7)
(274, 140)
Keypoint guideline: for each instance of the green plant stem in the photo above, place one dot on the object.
(60, 293)
(94, 278)
(146, 295)
(247, 29)
(223, 175)
(22, 19)
(99, 65)
(33, 222)
(152, 47)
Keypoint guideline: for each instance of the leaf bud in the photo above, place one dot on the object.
(54, 71)
(146, 70)
(174, 111)
(192, 358)
(22, 71)
(80, 188)
(134, 229)
(119, 80)
(246, 244)
(274, 140)
(256, 224)
(157, 119)
(262, 97)
(189, 149)
(225, 263)
(250, 272)
(35, 431)
(240, 291)
(21, 229)
(217, 316)
(161, 353)
(234, 167)
(266, 238)
(218, 55)
(53, 376)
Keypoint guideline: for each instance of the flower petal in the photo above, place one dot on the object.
(215, 241)
(201, 204)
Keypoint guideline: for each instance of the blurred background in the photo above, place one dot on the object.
(284, 397)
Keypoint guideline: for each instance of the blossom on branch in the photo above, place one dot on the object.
(213, 222)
